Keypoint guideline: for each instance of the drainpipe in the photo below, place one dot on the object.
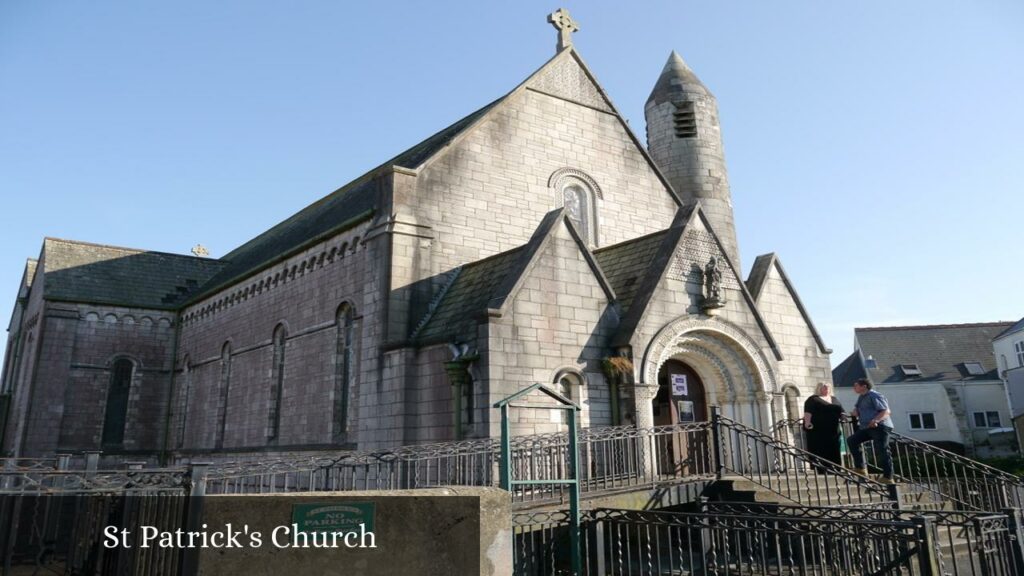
(170, 390)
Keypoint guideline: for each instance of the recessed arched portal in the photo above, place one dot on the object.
(680, 396)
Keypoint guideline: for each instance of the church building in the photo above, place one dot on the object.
(538, 239)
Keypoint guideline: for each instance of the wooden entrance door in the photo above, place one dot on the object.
(680, 400)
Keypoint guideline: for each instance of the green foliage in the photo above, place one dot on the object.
(1010, 464)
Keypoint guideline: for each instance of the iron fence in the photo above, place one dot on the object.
(790, 472)
(969, 543)
(611, 458)
(646, 543)
(52, 519)
(933, 474)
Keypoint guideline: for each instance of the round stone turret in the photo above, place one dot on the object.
(685, 140)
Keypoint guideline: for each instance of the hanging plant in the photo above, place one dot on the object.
(617, 368)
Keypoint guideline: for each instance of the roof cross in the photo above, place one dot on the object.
(565, 25)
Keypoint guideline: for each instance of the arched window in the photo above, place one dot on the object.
(186, 390)
(344, 369)
(578, 209)
(567, 384)
(115, 416)
(225, 386)
(792, 396)
(276, 382)
(578, 193)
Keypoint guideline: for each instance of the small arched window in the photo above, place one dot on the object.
(115, 416)
(579, 194)
(344, 369)
(276, 382)
(568, 384)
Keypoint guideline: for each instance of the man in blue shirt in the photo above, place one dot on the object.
(872, 412)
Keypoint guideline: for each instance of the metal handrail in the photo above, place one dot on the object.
(789, 471)
(947, 476)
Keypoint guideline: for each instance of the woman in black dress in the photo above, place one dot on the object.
(821, 424)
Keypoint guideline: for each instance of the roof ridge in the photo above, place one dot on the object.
(125, 248)
(933, 326)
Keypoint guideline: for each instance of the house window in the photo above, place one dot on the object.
(922, 420)
(115, 417)
(344, 364)
(684, 120)
(986, 419)
(870, 363)
(974, 368)
(276, 383)
(1019, 348)
(468, 407)
(910, 370)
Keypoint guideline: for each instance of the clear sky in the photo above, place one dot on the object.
(876, 146)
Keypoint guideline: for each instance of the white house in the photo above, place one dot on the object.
(1008, 348)
(941, 382)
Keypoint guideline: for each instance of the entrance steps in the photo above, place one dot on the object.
(814, 490)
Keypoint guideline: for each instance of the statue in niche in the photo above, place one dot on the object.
(575, 208)
(713, 298)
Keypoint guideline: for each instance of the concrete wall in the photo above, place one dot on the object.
(415, 531)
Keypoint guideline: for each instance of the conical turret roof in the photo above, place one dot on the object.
(676, 80)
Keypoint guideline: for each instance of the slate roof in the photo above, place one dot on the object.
(99, 274)
(939, 351)
(465, 302)
(848, 371)
(1017, 327)
(626, 263)
(345, 206)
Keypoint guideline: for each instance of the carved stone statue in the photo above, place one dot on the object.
(713, 297)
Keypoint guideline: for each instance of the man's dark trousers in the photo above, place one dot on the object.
(880, 436)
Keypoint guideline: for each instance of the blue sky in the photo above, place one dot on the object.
(876, 146)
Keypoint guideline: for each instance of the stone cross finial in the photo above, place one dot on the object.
(200, 250)
(565, 25)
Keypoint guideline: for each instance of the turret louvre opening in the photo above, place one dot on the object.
(685, 120)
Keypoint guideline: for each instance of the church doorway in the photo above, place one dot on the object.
(680, 396)
(680, 400)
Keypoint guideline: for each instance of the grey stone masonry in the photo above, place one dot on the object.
(685, 139)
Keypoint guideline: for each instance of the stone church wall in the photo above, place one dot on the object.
(560, 320)
(804, 365)
(28, 356)
(490, 190)
(302, 293)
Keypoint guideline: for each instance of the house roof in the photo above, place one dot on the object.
(1017, 327)
(99, 274)
(939, 351)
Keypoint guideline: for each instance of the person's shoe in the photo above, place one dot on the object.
(861, 471)
(886, 480)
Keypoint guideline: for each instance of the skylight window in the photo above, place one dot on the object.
(870, 363)
(974, 368)
(910, 370)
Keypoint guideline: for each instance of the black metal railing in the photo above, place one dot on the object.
(968, 542)
(935, 476)
(52, 518)
(611, 458)
(788, 471)
(648, 543)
